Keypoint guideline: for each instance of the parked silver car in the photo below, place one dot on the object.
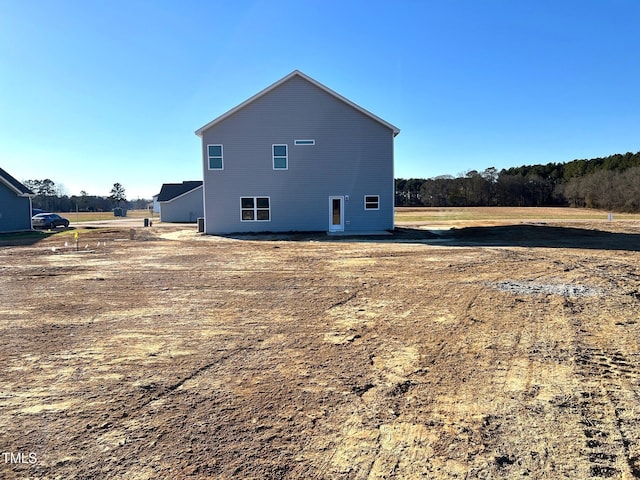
(48, 220)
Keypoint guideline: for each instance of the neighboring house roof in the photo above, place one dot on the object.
(171, 191)
(14, 184)
(298, 73)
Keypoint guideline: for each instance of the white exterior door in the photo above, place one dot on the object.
(336, 214)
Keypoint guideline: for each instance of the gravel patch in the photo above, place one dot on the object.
(533, 288)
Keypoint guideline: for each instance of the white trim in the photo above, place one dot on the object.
(31, 211)
(310, 141)
(205, 169)
(295, 73)
(393, 185)
(255, 208)
(377, 201)
(332, 227)
(209, 157)
(274, 156)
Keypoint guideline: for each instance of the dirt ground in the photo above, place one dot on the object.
(495, 352)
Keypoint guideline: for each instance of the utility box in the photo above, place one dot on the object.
(119, 212)
(200, 224)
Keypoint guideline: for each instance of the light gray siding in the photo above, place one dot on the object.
(15, 210)
(185, 208)
(352, 157)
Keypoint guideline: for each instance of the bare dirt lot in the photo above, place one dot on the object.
(495, 352)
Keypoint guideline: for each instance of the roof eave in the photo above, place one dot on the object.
(16, 190)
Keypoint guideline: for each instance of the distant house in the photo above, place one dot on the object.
(181, 202)
(156, 205)
(15, 204)
(298, 157)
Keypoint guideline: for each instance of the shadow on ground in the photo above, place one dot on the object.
(543, 236)
(30, 237)
(525, 235)
(23, 238)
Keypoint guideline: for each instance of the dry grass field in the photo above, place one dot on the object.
(502, 351)
(455, 216)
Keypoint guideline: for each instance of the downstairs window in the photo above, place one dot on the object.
(372, 202)
(255, 209)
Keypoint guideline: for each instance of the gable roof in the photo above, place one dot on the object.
(297, 73)
(171, 191)
(14, 184)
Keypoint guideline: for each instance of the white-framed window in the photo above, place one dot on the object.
(214, 154)
(280, 156)
(255, 209)
(372, 202)
(304, 142)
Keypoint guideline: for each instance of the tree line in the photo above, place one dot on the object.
(50, 197)
(610, 183)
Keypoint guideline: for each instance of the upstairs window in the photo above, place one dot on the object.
(255, 209)
(214, 153)
(280, 157)
(304, 142)
(372, 202)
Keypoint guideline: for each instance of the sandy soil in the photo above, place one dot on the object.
(475, 353)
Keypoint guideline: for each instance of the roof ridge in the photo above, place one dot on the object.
(284, 79)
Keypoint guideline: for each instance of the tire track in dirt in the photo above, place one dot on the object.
(608, 401)
(608, 425)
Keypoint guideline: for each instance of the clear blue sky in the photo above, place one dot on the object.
(95, 92)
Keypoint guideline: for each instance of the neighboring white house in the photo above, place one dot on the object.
(156, 205)
(15, 204)
(181, 202)
(298, 157)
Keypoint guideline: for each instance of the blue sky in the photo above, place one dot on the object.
(95, 92)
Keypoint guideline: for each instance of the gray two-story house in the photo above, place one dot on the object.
(15, 204)
(298, 156)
